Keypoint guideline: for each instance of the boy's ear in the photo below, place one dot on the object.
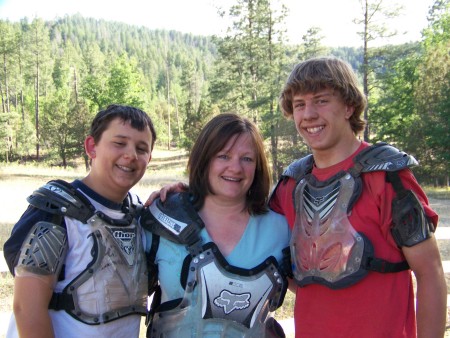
(89, 146)
(349, 110)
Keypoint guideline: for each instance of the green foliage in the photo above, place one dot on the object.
(410, 109)
(312, 44)
(433, 89)
(372, 21)
(195, 121)
(251, 66)
(124, 84)
(56, 75)
(393, 107)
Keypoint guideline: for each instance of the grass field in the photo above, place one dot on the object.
(17, 182)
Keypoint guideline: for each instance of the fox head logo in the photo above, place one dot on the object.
(231, 301)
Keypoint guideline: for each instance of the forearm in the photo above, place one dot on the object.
(34, 325)
(431, 306)
(424, 259)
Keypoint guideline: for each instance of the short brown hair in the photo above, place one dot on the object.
(137, 118)
(212, 139)
(319, 73)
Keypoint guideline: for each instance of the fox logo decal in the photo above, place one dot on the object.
(232, 301)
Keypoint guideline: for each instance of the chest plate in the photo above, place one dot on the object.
(325, 248)
(231, 302)
(115, 282)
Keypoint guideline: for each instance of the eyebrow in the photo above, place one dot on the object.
(127, 138)
(323, 93)
(319, 94)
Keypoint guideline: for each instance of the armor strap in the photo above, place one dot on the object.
(61, 301)
(286, 265)
(152, 267)
(382, 266)
(394, 179)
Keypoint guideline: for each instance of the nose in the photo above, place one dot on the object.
(130, 153)
(309, 111)
(235, 164)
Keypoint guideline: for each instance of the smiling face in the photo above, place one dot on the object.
(322, 119)
(119, 159)
(232, 170)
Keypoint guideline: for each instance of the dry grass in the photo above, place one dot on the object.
(17, 182)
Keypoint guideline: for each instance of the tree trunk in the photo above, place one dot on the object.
(5, 72)
(178, 119)
(168, 103)
(3, 98)
(21, 86)
(366, 69)
(36, 108)
(75, 84)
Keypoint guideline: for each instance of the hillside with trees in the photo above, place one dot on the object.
(56, 75)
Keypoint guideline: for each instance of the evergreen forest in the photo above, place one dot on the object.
(56, 75)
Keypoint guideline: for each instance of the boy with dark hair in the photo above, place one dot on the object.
(77, 253)
(360, 221)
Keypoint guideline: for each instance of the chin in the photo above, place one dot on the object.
(126, 184)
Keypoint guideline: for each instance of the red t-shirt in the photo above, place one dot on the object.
(381, 304)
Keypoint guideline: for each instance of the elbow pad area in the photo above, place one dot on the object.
(411, 224)
(43, 251)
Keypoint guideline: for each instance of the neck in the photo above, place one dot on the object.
(225, 224)
(103, 191)
(324, 158)
(212, 207)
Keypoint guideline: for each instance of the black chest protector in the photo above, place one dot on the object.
(220, 300)
(325, 248)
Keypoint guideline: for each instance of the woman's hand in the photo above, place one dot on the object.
(162, 194)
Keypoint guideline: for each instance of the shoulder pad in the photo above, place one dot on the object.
(60, 198)
(43, 251)
(382, 157)
(299, 168)
(175, 219)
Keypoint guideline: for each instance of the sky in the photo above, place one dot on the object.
(199, 17)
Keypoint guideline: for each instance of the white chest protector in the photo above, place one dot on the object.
(220, 300)
(223, 301)
(114, 284)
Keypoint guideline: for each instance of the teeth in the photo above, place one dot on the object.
(231, 179)
(314, 130)
(125, 168)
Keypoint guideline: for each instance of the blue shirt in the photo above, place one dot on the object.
(265, 235)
